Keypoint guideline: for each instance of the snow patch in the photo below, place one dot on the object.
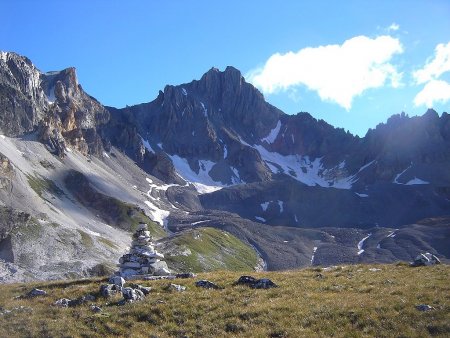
(273, 134)
(415, 181)
(265, 205)
(205, 189)
(391, 234)
(295, 218)
(236, 179)
(361, 195)
(262, 219)
(281, 205)
(366, 165)
(243, 142)
(292, 137)
(398, 175)
(106, 154)
(314, 252)
(148, 146)
(200, 222)
(184, 91)
(303, 169)
(361, 244)
(205, 111)
(157, 214)
(225, 151)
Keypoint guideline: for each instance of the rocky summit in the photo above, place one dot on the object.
(77, 178)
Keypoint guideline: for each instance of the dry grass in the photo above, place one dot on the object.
(349, 301)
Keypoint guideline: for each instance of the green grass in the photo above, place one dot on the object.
(86, 239)
(31, 229)
(133, 215)
(337, 304)
(107, 242)
(211, 249)
(40, 185)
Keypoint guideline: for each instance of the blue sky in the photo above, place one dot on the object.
(351, 63)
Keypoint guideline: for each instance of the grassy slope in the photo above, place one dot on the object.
(351, 301)
(210, 249)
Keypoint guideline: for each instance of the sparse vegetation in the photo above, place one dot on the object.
(86, 240)
(131, 215)
(209, 249)
(307, 303)
(113, 211)
(40, 185)
(30, 229)
(107, 242)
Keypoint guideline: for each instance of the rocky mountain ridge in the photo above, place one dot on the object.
(77, 176)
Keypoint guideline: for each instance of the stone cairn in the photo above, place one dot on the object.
(143, 260)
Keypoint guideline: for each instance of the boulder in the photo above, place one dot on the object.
(35, 293)
(175, 287)
(63, 302)
(145, 289)
(245, 280)
(263, 283)
(117, 280)
(424, 307)
(425, 259)
(132, 295)
(206, 284)
(96, 309)
(107, 290)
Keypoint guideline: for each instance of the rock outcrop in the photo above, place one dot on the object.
(53, 104)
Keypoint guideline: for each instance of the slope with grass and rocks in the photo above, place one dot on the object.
(341, 301)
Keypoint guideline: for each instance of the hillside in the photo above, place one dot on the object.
(344, 301)
(76, 178)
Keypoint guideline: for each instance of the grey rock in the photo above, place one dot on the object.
(117, 280)
(130, 294)
(246, 280)
(107, 290)
(175, 287)
(96, 309)
(206, 284)
(36, 293)
(78, 301)
(424, 307)
(263, 283)
(145, 289)
(63, 302)
(186, 275)
(89, 297)
(425, 259)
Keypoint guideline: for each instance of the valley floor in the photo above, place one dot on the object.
(344, 301)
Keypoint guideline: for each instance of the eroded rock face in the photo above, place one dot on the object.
(52, 103)
(22, 101)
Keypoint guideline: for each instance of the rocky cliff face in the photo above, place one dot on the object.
(53, 104)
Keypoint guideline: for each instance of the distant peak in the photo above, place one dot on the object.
(228, 70)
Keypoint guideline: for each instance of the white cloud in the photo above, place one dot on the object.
(393, 27)
(434, 91)
(435, 66)
(338, 73)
